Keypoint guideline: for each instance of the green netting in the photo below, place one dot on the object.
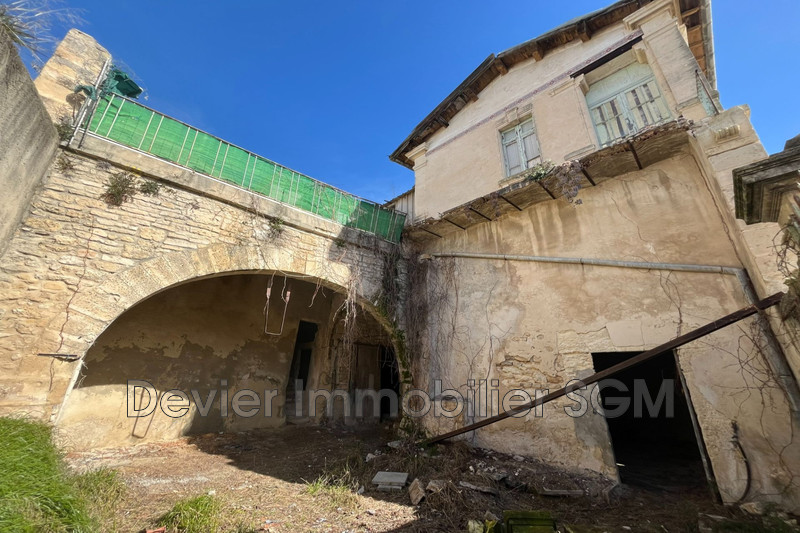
(137, 126)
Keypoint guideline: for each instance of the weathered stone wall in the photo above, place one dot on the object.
(535, 326)
(28, 140)
(729, 141)
(75, 264)
(77, 60)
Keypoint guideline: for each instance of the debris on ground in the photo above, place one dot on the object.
(560, 492)
(753, 508)
(473, 526)
(416, 492)
(479, 488)
(287, 487)
(388, 481)
(435, 485)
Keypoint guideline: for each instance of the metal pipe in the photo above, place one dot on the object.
(183, 145)
(146, 129)
(191, 149)
(246, 167)
(644, 265)
(252, 173)
(775, 357)
(119, 109)
(90, 106)
(224, 158)
(153, 140)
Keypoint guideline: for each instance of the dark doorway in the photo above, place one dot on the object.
(390, 379)
(301, 364)
(376, 370)
(655, 446)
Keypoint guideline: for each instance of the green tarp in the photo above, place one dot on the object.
(137, 126)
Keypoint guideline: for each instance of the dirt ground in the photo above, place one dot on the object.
(266, 482)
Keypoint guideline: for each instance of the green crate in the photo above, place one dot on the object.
(528, 522)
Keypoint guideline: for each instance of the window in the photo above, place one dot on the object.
(625, 102)
(520, 147)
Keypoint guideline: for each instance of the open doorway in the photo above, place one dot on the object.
(390, 380)
(650, 422)
(376, 369)
(301, 365)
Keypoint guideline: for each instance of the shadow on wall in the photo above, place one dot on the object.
(206, 336)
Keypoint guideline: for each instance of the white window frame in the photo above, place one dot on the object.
(520, 134)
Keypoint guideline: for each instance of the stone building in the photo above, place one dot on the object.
(120, 264)
(573, 206)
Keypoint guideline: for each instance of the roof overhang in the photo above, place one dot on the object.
(696, 14)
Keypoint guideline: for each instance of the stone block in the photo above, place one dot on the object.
(397, 479)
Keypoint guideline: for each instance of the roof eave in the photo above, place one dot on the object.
(496, 65)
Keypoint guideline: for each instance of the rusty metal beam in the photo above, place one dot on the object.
(635, 155)
(695, 334)
(518, 208)
(588, 177)
(479, 213)
(553, 196)
(459, 226)
(432, 233)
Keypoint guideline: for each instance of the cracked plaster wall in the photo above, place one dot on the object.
(535, 325)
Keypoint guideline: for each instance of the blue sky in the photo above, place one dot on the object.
(331, 88)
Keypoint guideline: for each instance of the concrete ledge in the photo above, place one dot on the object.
(183, 178)
(761, 188)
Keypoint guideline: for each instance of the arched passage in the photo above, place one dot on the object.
(230, 348)
(98, 316)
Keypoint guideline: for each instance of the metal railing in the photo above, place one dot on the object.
(139, 127)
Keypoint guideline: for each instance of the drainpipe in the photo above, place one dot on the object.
(773, 352)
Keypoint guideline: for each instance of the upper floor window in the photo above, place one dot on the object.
(520, 147)
(625, 102)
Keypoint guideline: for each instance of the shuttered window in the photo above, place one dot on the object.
(625, 103)
(520, 147)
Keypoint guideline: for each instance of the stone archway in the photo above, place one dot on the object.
(92, 311)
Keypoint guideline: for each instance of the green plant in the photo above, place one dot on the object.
(340, 243)
(338, 489)
(64, 164)
(29, 23)
(102, 490)
(64, 128)
(195, 515)
(540, 170)
(120, 188)
(276, 227)
(245, 527)
(149, 188)
(37, 492)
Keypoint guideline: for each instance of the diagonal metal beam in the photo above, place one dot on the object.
(634, 361)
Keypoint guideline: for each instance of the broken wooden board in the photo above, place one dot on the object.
(416, 492)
